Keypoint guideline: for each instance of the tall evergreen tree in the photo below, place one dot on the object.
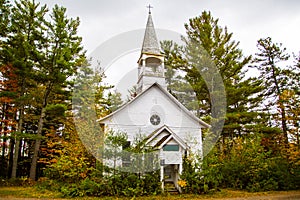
(207, 45)
(60, 55)
(275, 77)
(19, 50)
(5, 94)
(89, 103)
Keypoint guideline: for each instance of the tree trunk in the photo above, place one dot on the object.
(284, 126)
(11, 156)
(17, 145)
(37, 144)
(15, 159)
(19, 131)
(296, 124)
(4, 141)
(281, 105)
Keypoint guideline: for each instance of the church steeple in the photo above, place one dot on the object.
(151, 61)
(150, 43)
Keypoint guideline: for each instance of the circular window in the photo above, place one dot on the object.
(155, 119)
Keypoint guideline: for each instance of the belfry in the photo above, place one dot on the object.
(151, 61)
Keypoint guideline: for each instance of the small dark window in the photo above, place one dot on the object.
(126, 161)
(171, 147)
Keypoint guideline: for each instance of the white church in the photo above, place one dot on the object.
(167, 125)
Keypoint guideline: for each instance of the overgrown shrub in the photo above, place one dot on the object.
(203, 176)
(118, 184)
(77, 175)
(23, 181)
(48, 184)
(249, 166)
(244, 164)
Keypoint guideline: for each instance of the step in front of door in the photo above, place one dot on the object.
(170, 188)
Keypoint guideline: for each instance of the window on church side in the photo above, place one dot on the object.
(126, 160)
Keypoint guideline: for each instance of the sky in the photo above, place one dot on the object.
(103, 20)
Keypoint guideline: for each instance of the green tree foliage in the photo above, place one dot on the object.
(208, 44)
(89, 103)
(4, 20)
(114, 101)
(297, 73)
(20, 50)
(177, 85)
(252, 161)
(114, 141)
(45, 52)
(247, 166)
(70, 161)
(275, 77)
(291, 103)
(60, 57)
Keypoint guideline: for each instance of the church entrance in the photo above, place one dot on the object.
(171, 178)
(169, 173)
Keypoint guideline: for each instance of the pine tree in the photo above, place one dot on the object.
(275, 78)
(89, 103)
(4, 20)
(60, 56)
(177, 85)
(210, 50)
(6, 87)
(19, 50)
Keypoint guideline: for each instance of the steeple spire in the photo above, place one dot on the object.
(150, 43)
(151, 61)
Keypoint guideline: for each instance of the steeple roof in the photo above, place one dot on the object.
(150, 43)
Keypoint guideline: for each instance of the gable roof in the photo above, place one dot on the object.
(171, 97)
(166, 138)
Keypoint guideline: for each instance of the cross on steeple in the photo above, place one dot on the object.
(149, 7)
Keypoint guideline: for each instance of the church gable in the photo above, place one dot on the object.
(151, 109)
(165, 136)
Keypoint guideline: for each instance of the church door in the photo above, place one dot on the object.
(169, 173)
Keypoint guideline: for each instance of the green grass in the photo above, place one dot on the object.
(33, 192)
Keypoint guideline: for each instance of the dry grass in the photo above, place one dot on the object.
(32, 192)
(26, 192)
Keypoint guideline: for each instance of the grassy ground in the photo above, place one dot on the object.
(32, 192)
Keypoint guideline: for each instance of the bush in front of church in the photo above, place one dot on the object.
(244, 163)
